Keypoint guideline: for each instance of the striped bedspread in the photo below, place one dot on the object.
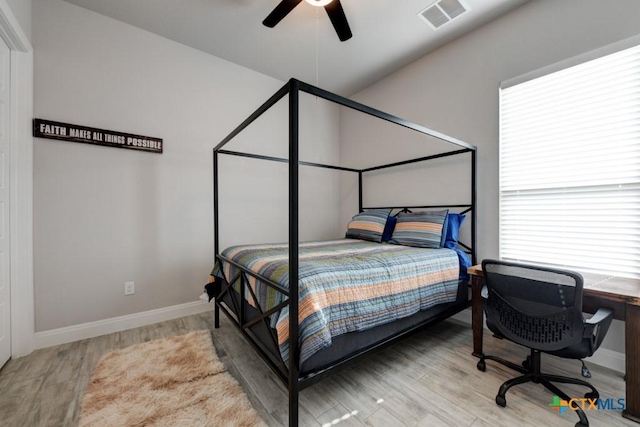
(346, 285)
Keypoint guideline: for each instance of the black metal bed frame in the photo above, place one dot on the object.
(290, 374)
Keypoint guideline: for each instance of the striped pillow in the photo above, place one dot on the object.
(368, 225)
(420, 229)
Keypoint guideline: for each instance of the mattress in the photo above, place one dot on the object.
(344, 286)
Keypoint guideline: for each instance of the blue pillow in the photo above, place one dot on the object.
(453, 223)
(445, 228)
(388, 228)
(465, 262)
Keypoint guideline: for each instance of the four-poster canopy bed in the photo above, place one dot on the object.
(260, 297)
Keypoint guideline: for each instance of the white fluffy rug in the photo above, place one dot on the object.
(175, 381)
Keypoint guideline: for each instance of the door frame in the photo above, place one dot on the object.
(21, 185)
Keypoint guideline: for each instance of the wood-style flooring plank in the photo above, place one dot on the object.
(5, 379)
(433, 421)
(46, 409)
(36, 364)
(65, 366)
(339, 415)
(381, 418)
(353, 395)
(16, 401)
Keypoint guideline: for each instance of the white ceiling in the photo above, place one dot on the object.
(387, 34)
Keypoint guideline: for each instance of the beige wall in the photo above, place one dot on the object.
(455, 89)
(22, 11)
(103, 216)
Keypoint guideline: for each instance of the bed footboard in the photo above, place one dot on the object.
(348, 347)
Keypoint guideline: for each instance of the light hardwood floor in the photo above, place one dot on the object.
(429, 379)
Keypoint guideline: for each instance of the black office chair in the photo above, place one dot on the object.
(541, 308)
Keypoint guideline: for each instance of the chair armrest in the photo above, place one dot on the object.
(601, 315)
(597, 326)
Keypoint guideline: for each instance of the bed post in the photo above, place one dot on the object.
(294, 386)
(216, 239)
(359, 191)
(474, 208)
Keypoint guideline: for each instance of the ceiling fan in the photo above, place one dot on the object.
(333, 8)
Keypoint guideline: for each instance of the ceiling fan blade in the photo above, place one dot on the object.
(281, 10)
(339, 20)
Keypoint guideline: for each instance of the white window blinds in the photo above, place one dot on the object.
(570, 167)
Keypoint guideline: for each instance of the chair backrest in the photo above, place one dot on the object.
(534, 306)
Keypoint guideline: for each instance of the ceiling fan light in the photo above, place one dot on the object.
(319, 3)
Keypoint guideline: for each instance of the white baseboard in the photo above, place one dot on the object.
(116, 324)
(604, 357)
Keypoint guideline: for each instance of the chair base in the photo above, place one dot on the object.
(531, 373)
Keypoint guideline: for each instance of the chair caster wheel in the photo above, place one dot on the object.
(501, 401)
(482, 366)
(592, 395)
(526, 364)
(580, 424)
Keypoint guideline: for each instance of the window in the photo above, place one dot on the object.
(570, 167)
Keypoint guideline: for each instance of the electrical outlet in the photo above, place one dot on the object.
(129, 288)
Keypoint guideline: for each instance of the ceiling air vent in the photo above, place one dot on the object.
(443, 11)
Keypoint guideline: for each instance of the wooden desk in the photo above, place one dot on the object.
(622, 295)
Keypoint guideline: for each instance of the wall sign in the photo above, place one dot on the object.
(87, 135)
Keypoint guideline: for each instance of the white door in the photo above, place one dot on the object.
(5, 158)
